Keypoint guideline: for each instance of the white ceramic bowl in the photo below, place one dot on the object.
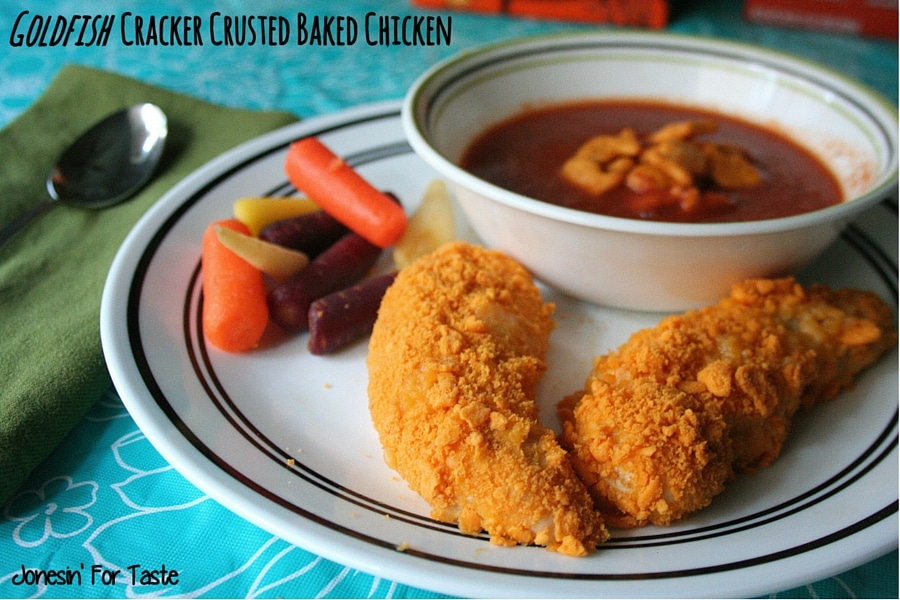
(637, 264)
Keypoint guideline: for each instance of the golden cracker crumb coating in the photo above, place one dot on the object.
(667, 419)
(454, 361)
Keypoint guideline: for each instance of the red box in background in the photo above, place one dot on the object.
(637, 13)
(856, 17)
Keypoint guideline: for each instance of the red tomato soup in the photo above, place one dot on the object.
(525, 154)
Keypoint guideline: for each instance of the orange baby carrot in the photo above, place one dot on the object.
(235, 313)
(343, 193)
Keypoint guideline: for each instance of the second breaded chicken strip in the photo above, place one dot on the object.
(667, 419)
(454, 360)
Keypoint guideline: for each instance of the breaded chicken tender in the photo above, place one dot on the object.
(665, 421)
(454, 360)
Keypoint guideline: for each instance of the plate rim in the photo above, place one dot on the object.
(220, 486)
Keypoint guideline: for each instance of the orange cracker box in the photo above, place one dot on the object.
(877, 18)
(638, 13)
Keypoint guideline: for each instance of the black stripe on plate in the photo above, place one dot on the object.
(242, 423)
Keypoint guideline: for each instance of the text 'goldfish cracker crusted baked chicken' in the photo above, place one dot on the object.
(667, 419)
(454, 360)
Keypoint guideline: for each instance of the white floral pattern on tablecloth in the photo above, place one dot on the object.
(127, 506)
(106, 499)
(95, 514)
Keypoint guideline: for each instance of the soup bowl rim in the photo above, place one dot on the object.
(417, 103)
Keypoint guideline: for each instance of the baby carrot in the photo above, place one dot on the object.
(235, 312)
(343, 264)
(344, 316)
(342, 192)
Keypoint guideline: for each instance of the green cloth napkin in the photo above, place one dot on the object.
(52, 273)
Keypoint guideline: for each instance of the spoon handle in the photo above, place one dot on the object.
(8, 231)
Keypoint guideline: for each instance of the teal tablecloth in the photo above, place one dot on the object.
(105, 496)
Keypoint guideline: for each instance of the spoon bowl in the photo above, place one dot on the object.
(112, 159)
(105, 165)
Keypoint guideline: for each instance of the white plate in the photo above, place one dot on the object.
(283, 438)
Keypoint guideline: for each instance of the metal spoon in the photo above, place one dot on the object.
(106, 165)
